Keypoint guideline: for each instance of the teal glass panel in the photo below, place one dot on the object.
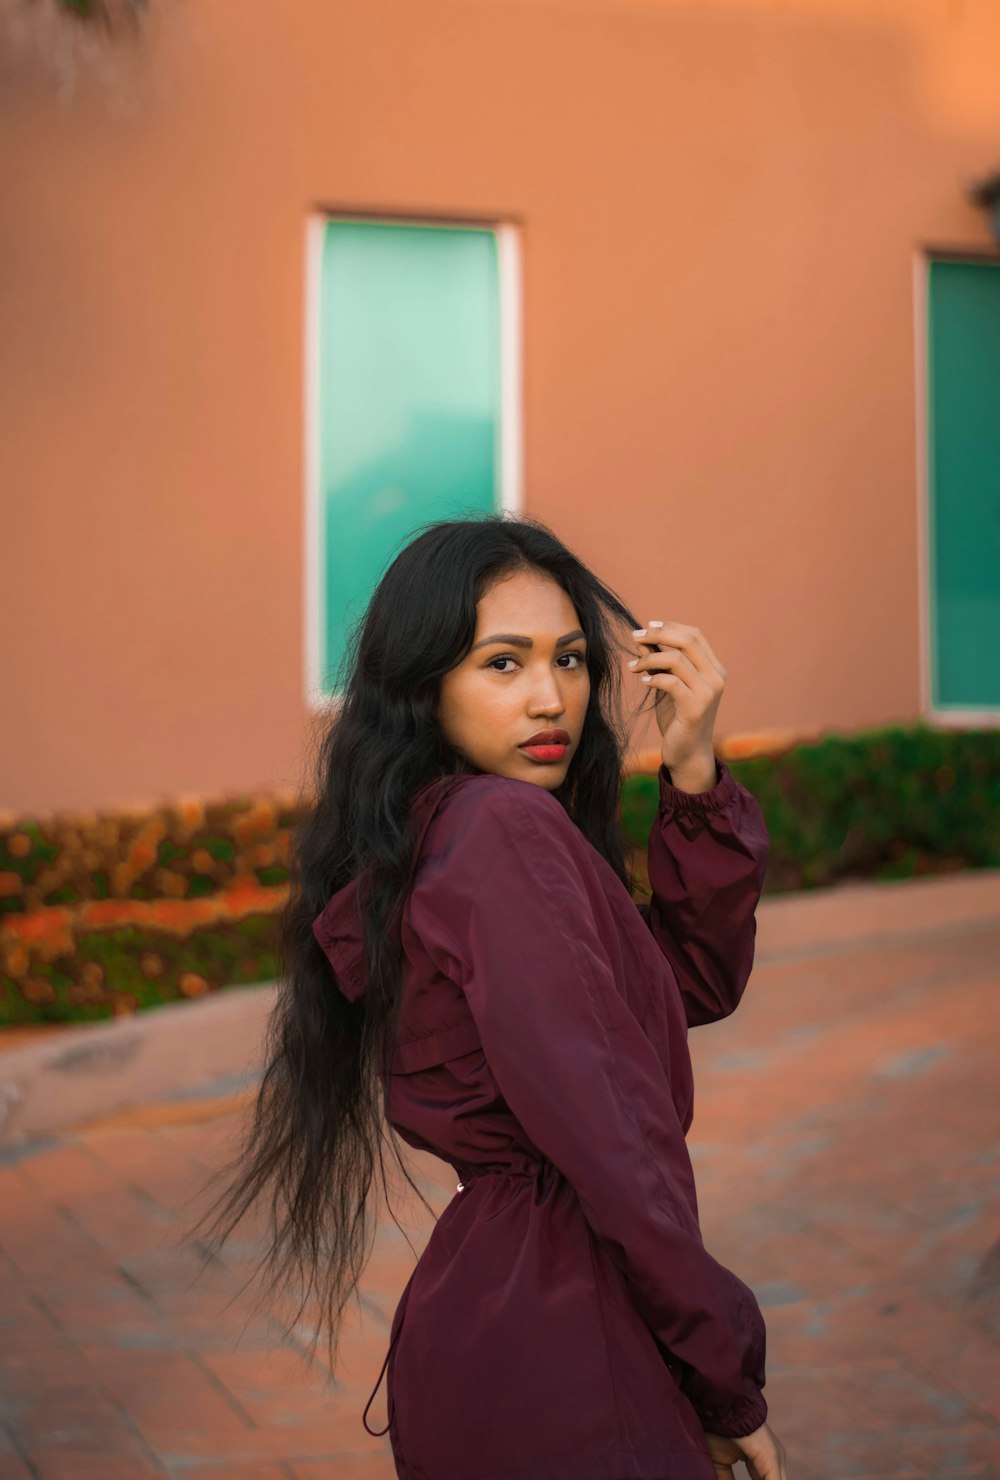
(408, 399)
(964, 466)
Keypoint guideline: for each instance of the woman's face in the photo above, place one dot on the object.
(525, 675)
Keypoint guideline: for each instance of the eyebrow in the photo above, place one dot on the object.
(514, 640)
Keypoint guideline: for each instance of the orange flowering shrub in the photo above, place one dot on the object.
(105, 913)
(185, 849)
(106, 957)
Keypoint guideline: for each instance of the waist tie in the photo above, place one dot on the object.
(528, 1167)
(377, 1433)
(525, 1166)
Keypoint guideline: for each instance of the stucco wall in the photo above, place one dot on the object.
(721, 207)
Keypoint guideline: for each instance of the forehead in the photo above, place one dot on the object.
(523, 602)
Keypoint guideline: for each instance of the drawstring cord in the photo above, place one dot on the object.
(377, 1433)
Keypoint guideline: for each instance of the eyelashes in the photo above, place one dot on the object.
(509, 658)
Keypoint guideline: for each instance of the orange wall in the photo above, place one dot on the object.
(721, 205)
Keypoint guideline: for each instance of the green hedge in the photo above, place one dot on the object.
(123, 970)
(887, 803)
(181, 849)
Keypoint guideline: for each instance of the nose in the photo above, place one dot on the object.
(546, 697)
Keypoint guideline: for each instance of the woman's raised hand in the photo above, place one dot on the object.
(678, 662)
(762, 1452)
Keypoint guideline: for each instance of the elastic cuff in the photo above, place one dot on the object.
(744, 1417)
(725, 790)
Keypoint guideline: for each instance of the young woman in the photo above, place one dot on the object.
(464, 966)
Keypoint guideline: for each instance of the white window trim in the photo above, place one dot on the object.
(943, 718)
(510, 449)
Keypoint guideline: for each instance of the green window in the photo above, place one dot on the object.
(964, 483)
(407, 409)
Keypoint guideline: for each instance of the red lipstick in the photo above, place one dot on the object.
(546, 746)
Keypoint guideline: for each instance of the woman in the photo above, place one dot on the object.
(462, 954)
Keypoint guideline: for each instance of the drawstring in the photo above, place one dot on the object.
(364, 1417)
(377, 1433)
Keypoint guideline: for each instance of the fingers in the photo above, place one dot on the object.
(672, 672)
(773, 1470)
(724, 1453)
(667, 660)
(686, 650)
(764, 1455)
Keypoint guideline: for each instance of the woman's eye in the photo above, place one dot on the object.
(579, 658)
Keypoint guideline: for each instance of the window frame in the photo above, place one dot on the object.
(508, 234)
(948, 717)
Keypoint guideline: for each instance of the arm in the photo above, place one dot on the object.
(707, 856)
(510, 905)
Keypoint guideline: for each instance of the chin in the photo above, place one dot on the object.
(550, 777)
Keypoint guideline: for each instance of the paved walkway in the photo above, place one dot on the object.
(847, 1147)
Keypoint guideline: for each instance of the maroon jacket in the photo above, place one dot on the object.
(565, 1321)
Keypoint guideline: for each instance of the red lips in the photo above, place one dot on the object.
(548, 737)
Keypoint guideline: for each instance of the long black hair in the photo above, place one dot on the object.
(315, 1134)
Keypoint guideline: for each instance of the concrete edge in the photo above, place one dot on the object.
(177, 1051)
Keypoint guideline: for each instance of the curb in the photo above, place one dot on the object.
(180, 1051)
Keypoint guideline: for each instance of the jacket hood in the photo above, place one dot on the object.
(338, 926)
(339, 931)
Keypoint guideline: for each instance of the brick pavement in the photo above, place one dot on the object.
(847, 1148)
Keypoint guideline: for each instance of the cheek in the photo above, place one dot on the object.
(486, 700)
(471, 701)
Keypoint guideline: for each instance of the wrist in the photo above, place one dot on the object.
(695, 776)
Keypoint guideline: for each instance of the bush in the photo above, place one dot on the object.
(887, 803)
(111, 913)
(62, 965)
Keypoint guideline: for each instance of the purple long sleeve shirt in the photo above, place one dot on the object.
(565, 1318)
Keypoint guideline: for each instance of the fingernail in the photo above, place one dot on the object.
(646, 677)
(639, 632)
(656, 624)
(632, 662)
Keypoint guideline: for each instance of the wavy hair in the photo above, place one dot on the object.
(314, 1138)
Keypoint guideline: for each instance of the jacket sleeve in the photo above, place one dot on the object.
(707, 857)
(510, 905)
